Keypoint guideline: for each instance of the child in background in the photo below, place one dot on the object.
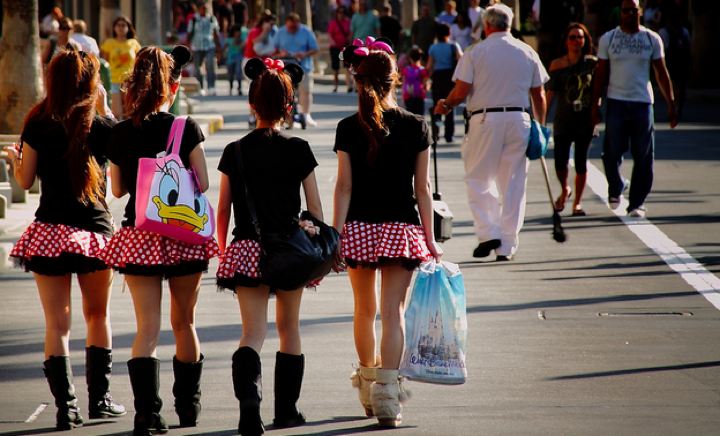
(415, 78)
(236, 47)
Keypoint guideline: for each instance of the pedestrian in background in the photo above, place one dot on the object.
(423, 31)
(443, 56)
(63, 142)
(461, 31)
(120, 51)
(500, 76)
(415, 81)
(235, 49)
(60, 42)
(146, 258)
(571, 78)
(383, 174)
(88, 43)
(364, 23)
(260, 38)
(627, 54)
(204, 38)
(448, 15)
(390, 26)
(339, 31)
(274, 166)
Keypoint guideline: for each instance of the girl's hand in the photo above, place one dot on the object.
(435, 250)
(13, 151)
(339, 264)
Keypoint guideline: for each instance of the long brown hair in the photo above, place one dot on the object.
(150, 84)
(376, 76)
(270, 94)
(72, 80)
(587, 47)
(131, 29)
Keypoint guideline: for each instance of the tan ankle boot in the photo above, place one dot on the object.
(387, 394)
(362, 378)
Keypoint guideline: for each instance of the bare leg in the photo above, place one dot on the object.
(305, 101)
(580, 180)
(288, 321)
(564, 189)
(348, 78)
(147, 296)
(117, 105)
(365, 310)
(253, 312)
(393, 293)
(335, 79)
(96, 289)
(55, 298)
(183, 298)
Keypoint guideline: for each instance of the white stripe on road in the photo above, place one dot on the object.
(705, 282)
(37, 412)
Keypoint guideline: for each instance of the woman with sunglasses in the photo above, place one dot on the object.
(63, 143)
(571, 81)
(61, 42)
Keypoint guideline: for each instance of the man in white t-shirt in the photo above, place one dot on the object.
(499, 76)
(88, 43)
(627, 52)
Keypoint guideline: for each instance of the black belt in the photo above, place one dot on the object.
(498, 109)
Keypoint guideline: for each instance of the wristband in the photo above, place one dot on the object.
(446, 107)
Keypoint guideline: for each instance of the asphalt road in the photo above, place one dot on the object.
(614, 332)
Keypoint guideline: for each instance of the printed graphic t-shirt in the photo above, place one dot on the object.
(128, 144)
(384, 192)
(274, 165)
(121, 57)
(630, 56)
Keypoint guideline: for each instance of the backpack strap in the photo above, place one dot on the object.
(175, 136)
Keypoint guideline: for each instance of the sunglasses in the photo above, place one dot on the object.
(629, 10)
(574, 37)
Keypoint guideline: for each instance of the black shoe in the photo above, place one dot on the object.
(186, 390)
(484, 248)
(289, 370)
(59, 376)
(145, 381)
(502, 258)
(247, 384)
(98, 367)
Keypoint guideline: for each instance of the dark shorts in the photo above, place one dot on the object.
(184, 268)
(65, 263)
(334, 58)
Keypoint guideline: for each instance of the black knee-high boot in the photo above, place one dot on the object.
(145, 380)
(247, 381)
(98, 367)
(186, 390)
(59, 376)
(289, 369)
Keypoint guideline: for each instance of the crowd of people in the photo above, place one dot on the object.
(382, 199)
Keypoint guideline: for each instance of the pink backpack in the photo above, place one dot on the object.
(412, 85)
(168, 200)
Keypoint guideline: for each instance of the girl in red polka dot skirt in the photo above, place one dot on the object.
(146, 258)
(63, 143)
(274, 167)
(383, 166)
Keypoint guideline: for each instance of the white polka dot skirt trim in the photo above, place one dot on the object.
(367, 242)
(51, 240)
(138, 247)
(243, 257)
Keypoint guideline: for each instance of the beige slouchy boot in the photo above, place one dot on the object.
(362, 378)
(387, 394)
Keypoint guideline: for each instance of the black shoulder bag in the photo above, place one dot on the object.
(294, 259)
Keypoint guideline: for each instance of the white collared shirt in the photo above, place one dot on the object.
(501, 70)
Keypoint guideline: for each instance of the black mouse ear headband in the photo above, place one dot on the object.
(353, 54)
(256, 67)
(182, 56)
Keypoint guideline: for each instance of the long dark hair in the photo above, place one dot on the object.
(72, 81)
(376, 76)
(131, 29)
(587, 49)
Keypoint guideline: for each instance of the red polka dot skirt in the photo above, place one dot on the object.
(243, 257)
(368, 242)
(138, 247)
(50, 240)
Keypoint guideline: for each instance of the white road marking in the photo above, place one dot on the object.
(696, 275)
(37, 412)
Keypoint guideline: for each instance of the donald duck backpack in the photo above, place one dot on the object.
(168, 200)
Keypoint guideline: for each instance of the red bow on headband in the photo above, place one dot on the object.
(276, 64)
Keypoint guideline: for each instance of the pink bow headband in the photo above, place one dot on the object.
(370, 44)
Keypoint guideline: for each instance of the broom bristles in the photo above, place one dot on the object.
(558, 232)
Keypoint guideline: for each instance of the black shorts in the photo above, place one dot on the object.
(184, 268)
(65, 263)
(334, 58)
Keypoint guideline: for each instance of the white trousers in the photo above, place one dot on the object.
(496, 175)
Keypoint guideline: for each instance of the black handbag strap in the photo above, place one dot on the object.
(248, 198)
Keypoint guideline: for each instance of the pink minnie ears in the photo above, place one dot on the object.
(370, 44)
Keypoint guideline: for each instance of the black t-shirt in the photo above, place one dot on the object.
(573, 84)
(239, 9)
(128, 144)
(275, 166)
(384, 192)
(390, 28)
(58, 203)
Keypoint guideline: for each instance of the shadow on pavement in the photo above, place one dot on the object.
(636, 371)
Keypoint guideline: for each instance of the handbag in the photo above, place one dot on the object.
(538, 141)
(436, 326)
(168, 200)
(292, 259)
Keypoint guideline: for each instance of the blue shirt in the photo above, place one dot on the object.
(442, 55)
(446, 18)
(362, 26)
(300, 42)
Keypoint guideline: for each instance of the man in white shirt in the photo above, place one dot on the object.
(475, 13)
(626, 54)
(499, 76)
(88, 43)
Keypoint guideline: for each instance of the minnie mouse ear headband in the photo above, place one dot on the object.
(355, 53)
(182, 56)
(256, 67)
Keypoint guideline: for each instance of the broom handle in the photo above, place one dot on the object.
(547, 181)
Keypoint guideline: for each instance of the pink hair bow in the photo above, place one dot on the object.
(363, 49)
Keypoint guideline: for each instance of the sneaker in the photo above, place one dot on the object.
(614, 202)
(637, 213)
(202, 92)
(309, 120)
(212, 91)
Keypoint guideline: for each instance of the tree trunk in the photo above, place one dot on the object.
(20, 70)
(147, 22)
(302, 7)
